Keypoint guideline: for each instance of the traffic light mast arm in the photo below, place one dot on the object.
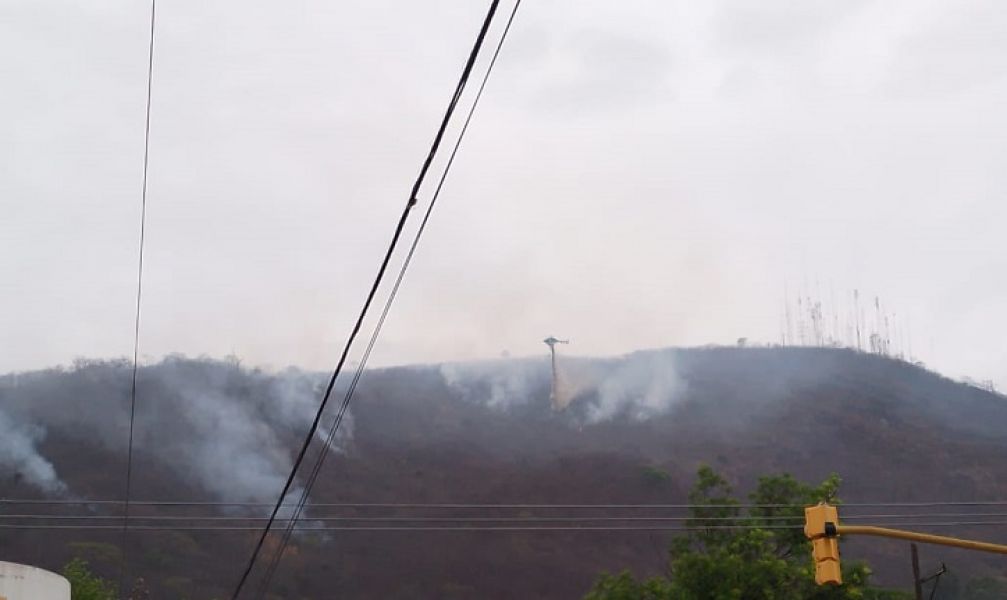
(925, 538)
(821, 526)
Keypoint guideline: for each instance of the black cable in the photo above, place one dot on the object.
(424, 528)
(177, 517)
(123, 566)
(438, 505)
(370, 296)
(400, 528)
(278, 554)
(485, 519)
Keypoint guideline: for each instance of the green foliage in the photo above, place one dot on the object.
(85, 585)
(952, 587)
(95, 552)
(756, 561)
(624, 587)
(179, 586)
(986, 588)
(655, 476)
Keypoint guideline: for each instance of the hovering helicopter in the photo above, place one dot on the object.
(551, 341)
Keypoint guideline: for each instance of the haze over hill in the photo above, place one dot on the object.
(721, 149)
(634, 431)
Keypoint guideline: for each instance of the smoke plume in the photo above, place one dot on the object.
(20, 457)
(225, 429)
(640, 387)
(637, 386)
(499, 384)
(231, 431)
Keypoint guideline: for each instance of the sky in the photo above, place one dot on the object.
(637, 175)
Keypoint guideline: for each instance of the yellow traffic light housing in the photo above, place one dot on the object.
(820, 525)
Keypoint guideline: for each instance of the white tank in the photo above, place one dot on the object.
(21, 582)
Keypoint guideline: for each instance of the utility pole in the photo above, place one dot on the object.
(917, 582)
(551, 341)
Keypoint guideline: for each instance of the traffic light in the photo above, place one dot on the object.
(820, 524)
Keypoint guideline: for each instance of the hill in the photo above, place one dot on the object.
(634, 431)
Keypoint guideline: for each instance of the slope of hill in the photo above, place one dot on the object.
(634, 431)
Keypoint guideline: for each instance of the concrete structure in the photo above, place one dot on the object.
(21, 582)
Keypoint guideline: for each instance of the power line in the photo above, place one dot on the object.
(411, 528)
(534, 519)
(483, 518)
(370, 297)
(139, 292)
(923, 516)
(278, 554)
(478, 505)
(405, 265)
(464, 518)
(488, 528)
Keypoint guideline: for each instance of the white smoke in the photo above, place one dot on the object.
(233, 432)
(499, 384)
(299, 394)
(235, 446)
(19, 456)
(230, 431)
(639, 386)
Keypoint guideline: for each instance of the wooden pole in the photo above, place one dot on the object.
(917, 584)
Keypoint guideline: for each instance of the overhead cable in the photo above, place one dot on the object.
(278, 553)
(123, 566)
(411, 201)
(480, 505)
(424, 528)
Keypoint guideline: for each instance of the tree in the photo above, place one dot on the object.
(85, 585)
(986, 588)
(624, 587)
(727, 555)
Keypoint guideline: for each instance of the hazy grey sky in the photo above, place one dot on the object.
(639, 174)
